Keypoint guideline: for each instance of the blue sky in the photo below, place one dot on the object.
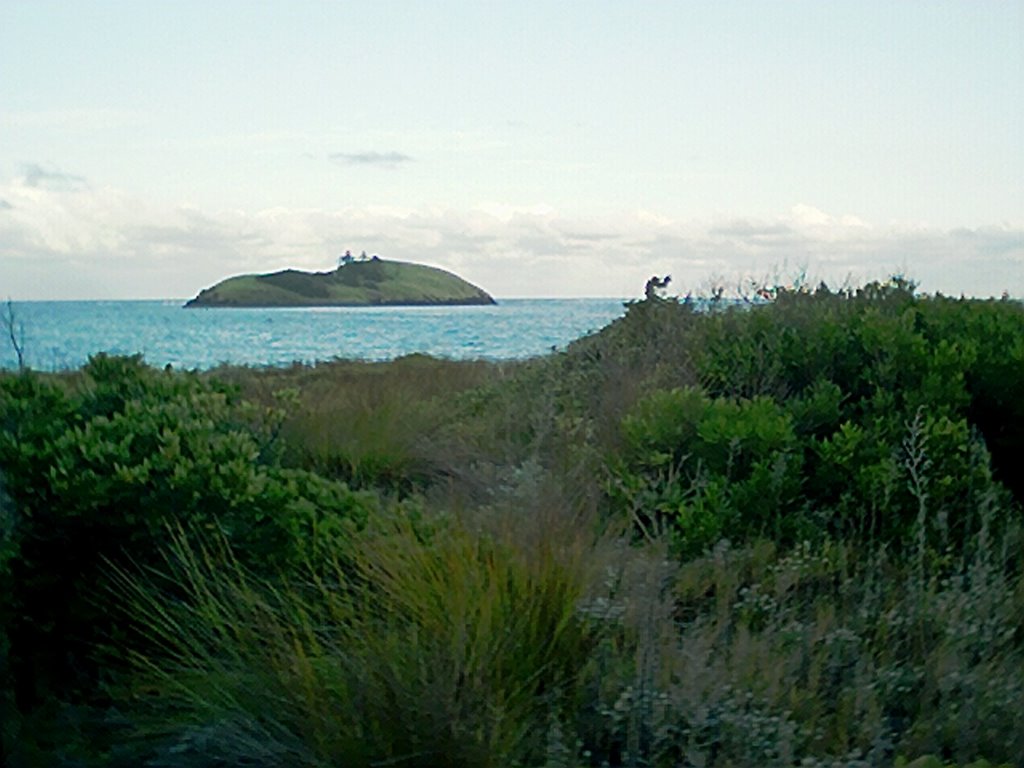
(148, 149)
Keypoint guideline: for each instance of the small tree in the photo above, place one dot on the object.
(16, 333)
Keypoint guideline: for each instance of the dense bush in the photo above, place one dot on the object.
(710, 467)
(95, 469)
(827, 411)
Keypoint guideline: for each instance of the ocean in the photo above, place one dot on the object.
(60, 335)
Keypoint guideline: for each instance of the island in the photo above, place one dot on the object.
(355, 283)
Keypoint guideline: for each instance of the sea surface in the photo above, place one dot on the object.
(61, 335)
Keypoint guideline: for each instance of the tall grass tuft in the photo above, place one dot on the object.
(460, 653)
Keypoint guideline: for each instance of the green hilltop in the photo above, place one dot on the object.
(355, 283)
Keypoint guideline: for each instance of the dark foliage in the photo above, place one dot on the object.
(95, 470)
(809, 413)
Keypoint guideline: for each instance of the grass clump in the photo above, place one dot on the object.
(429, 649)
(371, 425)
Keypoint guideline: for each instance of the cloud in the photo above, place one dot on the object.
(746, 229)
(36, 176)
(4, 205)
(379, 159)
(65, 242)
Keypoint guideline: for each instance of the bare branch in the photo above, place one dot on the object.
(16, 333)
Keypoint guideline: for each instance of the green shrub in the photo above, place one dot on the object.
(96, 468)
(816, 401)
(709, 467)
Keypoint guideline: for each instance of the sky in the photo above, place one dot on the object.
(537, 149)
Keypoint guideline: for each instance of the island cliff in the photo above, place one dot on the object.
(355, 283)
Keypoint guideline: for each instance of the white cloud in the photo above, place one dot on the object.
(60, 241)
(809, 216)
(379, 159)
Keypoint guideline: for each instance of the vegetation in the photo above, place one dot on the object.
(355, 283)
(787, 532)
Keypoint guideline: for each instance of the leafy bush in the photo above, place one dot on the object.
(821, 401)
(709, 467)
(96, 468)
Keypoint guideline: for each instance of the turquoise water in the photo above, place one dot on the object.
(62, 334)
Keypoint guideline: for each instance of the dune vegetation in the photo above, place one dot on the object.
(774, 533)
